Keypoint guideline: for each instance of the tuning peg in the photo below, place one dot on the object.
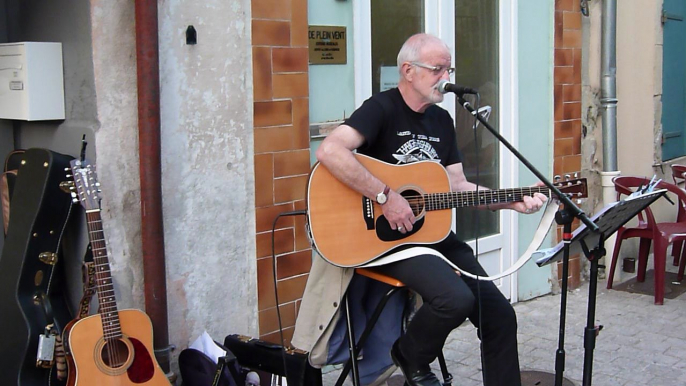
(567, 177)
(67, 169)
(576, 175)
(75, 200)
(557, 178)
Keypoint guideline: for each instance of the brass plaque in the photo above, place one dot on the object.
(328, 44)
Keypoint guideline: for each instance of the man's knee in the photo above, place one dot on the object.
(454, 305)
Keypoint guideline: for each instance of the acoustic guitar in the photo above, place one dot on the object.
(349, 229)
(113, 347)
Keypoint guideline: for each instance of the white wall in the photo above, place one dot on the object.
(639, 84)
(207, 170)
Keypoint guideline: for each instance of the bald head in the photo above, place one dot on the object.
(411, 50)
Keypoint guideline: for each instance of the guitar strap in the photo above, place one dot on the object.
(7, 178)
(542, 230)
(5, 198)
(88, 277)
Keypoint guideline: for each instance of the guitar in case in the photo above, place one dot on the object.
(33, 305)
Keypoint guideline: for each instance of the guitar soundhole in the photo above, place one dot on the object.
(114, 356)
(416, 201)
(115, 353)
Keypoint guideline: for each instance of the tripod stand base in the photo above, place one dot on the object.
(542, 378)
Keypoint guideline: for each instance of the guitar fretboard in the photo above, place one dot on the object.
(449, 200)
(109, 314)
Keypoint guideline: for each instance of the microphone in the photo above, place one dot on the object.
(445, 87)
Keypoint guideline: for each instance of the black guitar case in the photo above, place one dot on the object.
(32, 294)
(268, 357)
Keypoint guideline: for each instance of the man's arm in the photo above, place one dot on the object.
(459, 183)
(335, 153)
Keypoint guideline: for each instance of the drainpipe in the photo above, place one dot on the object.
(608, 87)
(152, 232)
(608, 101)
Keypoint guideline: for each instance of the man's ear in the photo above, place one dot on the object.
(407, 72)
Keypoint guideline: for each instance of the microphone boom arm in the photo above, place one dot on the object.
(569, 205)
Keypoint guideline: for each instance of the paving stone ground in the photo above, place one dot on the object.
(640, 344)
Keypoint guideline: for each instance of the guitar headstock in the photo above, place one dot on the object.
(573, 188)
(86, 183)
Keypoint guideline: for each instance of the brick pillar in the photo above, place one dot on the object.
(567, 102)
(282, 157)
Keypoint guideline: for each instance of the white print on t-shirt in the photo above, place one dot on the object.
(416, 150)
(403, 133)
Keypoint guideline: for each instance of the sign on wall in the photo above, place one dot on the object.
(327, 44)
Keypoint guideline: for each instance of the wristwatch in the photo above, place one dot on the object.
(382, 197)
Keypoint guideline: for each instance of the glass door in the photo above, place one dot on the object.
(392, 22)
(482, 35)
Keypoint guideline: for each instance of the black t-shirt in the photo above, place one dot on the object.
(396, 134)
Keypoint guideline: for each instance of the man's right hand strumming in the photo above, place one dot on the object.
(398, 212)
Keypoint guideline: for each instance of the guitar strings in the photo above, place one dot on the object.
(434, 201)
(110, 323)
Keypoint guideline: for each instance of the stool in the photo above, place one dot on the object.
(354, 348)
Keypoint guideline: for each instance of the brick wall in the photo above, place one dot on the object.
(567, 102)
(282, 157)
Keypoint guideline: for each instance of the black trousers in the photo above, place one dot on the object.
(449, 299)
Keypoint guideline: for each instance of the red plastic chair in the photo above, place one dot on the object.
(648, 230)
(679, 176)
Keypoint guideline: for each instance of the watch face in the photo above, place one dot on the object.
(381, 198)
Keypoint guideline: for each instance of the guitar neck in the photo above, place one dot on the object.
(109, 314)
(441, 201)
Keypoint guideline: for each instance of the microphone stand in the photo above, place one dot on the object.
(563, 217)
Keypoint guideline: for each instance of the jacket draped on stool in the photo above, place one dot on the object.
(320, 329)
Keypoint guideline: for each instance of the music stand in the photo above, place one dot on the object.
(608, 221)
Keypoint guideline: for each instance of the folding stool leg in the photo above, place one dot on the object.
(352, 364)
(447, 377)
(352, 346)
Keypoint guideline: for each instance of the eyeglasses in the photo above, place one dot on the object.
(436, 70)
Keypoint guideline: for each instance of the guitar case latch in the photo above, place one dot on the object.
(49, 258)
(45, 357)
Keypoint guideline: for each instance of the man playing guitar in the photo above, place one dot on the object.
(404, 125)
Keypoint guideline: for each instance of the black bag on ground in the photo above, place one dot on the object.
(197, 369)
(260, 355)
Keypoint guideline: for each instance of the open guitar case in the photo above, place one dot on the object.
(35, 211)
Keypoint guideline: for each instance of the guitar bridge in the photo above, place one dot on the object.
(368, 212)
